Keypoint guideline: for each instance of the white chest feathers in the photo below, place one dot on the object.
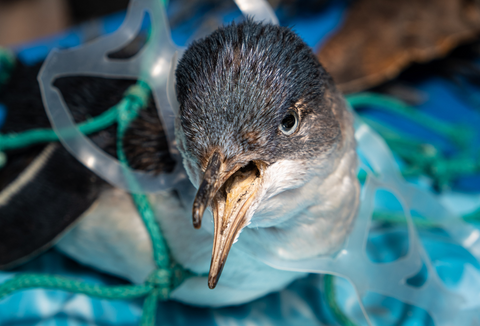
(293, 223)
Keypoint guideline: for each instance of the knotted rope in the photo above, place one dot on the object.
(168, 274)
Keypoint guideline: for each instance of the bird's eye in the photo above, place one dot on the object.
(289, 123)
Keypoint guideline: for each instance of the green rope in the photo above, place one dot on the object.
(167, 276)
(473, 217)
(150, 309)
(136, 99)
(421, 158)
(38, 136)
(457, 134)
(30, 281)
(396, 218)
(158, 241)
(163, 279)
(329, 288)
(399, 218)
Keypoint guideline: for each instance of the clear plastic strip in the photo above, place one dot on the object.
(152, 64)
(446, 306)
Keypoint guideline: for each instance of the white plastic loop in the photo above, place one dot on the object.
(258, 9)
(151, 64)
(445, 306)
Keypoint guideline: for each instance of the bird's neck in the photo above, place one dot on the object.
(323, 222)
(318, 216)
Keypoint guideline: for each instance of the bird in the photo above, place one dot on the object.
(268, 142)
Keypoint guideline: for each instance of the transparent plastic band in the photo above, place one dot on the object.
(445, 306)
(258, 9)
(152, 65)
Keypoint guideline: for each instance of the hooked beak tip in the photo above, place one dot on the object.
(197, 224)
(207, 190)
(212, 283)
(214, 276)
(197, 218)
(231, 196)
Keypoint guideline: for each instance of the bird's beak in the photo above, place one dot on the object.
(230, 194)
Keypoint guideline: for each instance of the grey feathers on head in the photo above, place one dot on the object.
(241, 80)
(258, 117)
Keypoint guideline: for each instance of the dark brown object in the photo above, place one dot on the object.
(380, 38)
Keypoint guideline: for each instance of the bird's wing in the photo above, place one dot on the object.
(43, 189)
(49, 191)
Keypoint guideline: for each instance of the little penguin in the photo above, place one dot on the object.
(268, 141)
